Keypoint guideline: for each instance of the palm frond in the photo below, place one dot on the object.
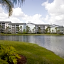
(9, 4)
(18, 1)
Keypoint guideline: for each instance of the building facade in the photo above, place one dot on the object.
(9, 27)
(17, 27)
(40, 28)
(4, 26)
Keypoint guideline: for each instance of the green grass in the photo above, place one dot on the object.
(34, 53)
(34, 34)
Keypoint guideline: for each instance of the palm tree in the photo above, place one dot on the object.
(21, 29)
(56, 29)
(0, 28)
(49, 28)
(39, 30)
(27, 29)
(9, 4)
(7, 29)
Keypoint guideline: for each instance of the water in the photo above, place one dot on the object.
(53, 43)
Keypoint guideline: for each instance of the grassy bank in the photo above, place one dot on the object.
(34, 53)
(33, 34)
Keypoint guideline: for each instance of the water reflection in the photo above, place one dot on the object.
(53, 43)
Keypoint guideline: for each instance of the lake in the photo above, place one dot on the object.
(53, 43)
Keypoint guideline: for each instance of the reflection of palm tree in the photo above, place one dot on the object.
(9, 4)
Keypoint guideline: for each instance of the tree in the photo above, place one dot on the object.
(0, 28)
(17, 28)
(52, 31)
(7, 29)
(33, 30)
(21, 29)
(56, 29)
(48, 29)
(39, 30)
(9, 4)
(27, 29)
(24, 31)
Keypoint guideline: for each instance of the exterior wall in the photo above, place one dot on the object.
(34, 28)
(60, 29)
(42, 28)
(4, 25)
(53, 30)
(31, 26)
(15, 28)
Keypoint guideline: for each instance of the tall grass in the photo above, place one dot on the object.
(34, 53)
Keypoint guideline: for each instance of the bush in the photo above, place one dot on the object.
(9, 54)
(3, 62)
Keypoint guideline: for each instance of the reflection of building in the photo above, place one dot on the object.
(33, 28)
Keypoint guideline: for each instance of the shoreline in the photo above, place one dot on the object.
(32, 34)
(34, 53)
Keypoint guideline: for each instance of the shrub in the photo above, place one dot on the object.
(9, 54)
(3, 62)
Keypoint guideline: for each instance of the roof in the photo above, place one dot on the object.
(5, 21)
(42, 25)
(31, 23)
(17, 24)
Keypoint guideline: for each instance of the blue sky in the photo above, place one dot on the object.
(37, 11)
(31, 7)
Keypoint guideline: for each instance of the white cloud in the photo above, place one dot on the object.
(19, 16)
(56, 11)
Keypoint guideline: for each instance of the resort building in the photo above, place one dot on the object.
(57, 29)
(17, 27)
(60, 29)
(40, 28)
(31, 27)
(4, 26)
(9, 27)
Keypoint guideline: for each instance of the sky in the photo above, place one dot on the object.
(36, 11)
